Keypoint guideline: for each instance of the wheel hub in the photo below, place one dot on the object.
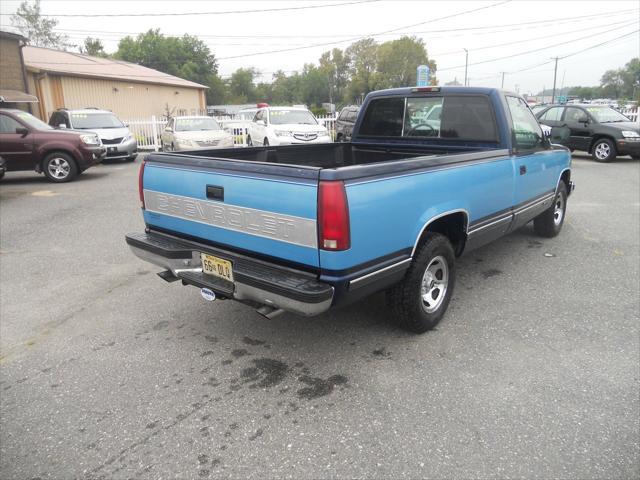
(435, 281)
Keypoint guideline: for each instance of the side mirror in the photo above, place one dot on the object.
(22, 131)
(126, 125)
(62, 125)
(168, 129)
(584, 119)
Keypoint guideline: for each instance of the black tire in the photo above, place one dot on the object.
(59, 167)
(249, 142)
(549, 223)
(265, 142)
(603, 150)
(339, 138)
(410, 309)
(131, 159)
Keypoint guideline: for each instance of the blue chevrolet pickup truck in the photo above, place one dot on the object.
(308, 227)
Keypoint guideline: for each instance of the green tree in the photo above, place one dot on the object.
(335, 65)
(398, 61)
(185, 57)
(314, 87)
(93, 47)
(39, 30)
(241, 86)
(363, 57)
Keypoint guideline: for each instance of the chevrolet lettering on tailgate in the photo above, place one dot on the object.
(296, 230)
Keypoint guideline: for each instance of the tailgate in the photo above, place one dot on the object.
(270, 209)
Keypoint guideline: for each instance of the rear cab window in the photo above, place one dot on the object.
(458, 117)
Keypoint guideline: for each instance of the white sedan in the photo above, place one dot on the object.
(188, 133)
(286, 126)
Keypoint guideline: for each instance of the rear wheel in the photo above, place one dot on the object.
(265, 142)
(604, 150)
(549, 223)
(339, 138)
(249, 142)
(421, 299)
(59, 167)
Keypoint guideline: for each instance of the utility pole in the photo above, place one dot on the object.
(502, 86)
(555, 73)
(466, 64)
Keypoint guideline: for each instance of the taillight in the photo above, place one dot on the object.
(140, 183)
(333, 216)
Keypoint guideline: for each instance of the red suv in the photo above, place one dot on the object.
(27, 143)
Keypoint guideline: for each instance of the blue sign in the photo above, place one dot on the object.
(423, 76)
(562, 99)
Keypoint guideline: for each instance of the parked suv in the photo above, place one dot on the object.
(345, 122)
(286, 126)
(597, 129)
(114, 134)
(27, 143)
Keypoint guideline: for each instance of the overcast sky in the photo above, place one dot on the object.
(553, 28)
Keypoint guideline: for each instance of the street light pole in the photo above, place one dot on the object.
(466, 64)
(555, 74)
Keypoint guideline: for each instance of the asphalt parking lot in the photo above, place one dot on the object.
(107, 371)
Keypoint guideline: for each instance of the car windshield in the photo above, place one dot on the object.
(196, 124)
(606, 115)
(33, 121)
(301, 117)
(85, 121)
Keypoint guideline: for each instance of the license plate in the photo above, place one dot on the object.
(217, 267)
(112, 149)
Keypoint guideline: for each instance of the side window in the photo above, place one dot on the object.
(351, 116)
(54, 121)
(527, 134)
(416, 120)
(8, 124)
(343, 115)
(469, 117)
(383, 117)
(574, 115)
(259, 116)
(553, 114)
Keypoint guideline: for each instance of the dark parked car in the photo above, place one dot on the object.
(597, 129)
(27, 143)
(345, 122)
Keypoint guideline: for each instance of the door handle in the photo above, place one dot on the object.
(523, 169)
(215, 193)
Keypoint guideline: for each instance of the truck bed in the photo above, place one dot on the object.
(332, 155)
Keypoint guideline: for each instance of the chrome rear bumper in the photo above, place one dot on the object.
(254, 280)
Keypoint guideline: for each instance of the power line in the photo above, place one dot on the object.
(463, 29)
(365, 36)
(625, 23)
(182, 14)
(456, 52)
(537, 49)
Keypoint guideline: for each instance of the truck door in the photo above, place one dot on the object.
(577, 120)
(537, 166)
